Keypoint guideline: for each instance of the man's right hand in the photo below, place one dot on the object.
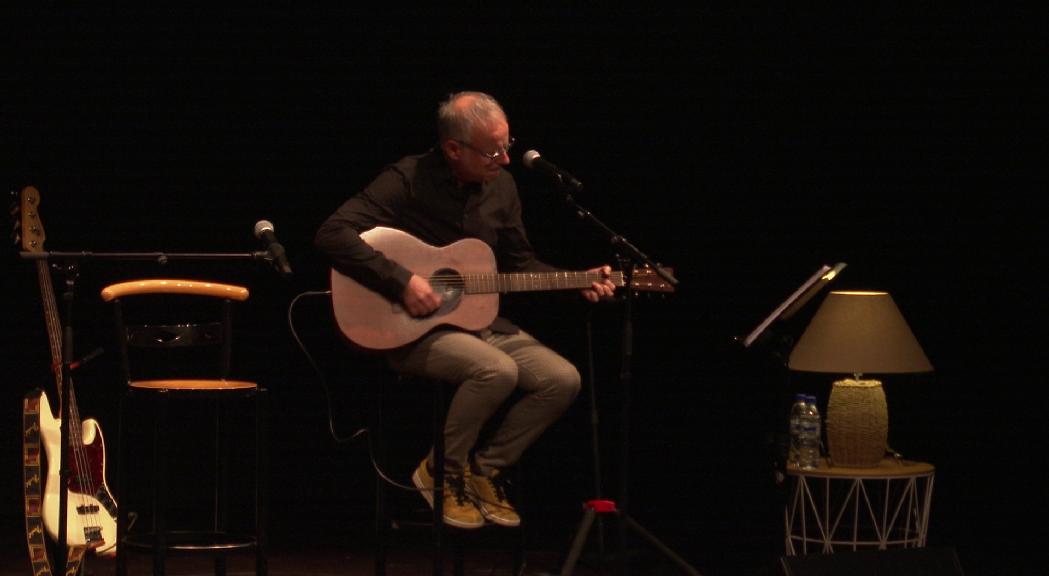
(419, 299)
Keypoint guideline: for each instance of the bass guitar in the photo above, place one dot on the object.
(463, 274)
(90, 507)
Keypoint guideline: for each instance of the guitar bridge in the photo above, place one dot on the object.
(93, 536)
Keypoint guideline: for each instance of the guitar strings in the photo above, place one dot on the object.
(515, 278)
(83, 473)
(555, 275)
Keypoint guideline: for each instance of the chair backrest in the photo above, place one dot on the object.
(174, 329)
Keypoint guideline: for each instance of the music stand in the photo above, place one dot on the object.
(795, 301)
(782, 313)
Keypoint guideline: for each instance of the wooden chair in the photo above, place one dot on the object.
(175, 341)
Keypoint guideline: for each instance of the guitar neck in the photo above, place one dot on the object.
(530, 281)
(53, 323)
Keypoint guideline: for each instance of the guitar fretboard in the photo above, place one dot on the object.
(526, 281)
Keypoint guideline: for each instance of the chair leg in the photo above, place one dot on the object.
(378, 440)
(442, 537)
(261, 481)
(121, 491)
(438, 478)
(519, 549)
(160, 486)
(220, 488)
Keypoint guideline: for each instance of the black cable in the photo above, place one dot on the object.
(323, 383)
(321, 380)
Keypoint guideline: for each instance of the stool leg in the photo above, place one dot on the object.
(438, 478)
(218, 520)
(261, 480)
(457, 558)
(121, 493)
(378, 440)
(160, 486)
(519, 549)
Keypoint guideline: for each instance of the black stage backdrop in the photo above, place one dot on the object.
(744, 148)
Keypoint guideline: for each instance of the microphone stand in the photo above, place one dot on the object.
(64, 472)
(71, 269)
(159, 257)
(629, 256)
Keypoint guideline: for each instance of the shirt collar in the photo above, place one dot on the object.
(443, 175)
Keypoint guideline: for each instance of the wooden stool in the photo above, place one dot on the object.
(442, 538)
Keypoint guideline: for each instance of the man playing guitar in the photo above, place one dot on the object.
(461, 190)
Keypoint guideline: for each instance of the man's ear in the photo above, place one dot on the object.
(452, 149)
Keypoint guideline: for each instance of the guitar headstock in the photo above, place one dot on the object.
(645, 279)
(28, 229)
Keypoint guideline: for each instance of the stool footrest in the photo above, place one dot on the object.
(192, 384)
(195, 541)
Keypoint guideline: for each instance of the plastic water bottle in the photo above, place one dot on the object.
(809, 437)
(796, 414)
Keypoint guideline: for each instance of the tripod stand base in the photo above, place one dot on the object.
(595, 507)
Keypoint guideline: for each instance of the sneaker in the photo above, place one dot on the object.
(489, 494)
(459, 511)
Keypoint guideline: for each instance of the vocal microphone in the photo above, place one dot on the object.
(264, 232)
(533, 160)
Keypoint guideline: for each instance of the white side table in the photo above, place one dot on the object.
(842, 508)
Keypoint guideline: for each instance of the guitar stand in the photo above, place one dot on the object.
(64, 472)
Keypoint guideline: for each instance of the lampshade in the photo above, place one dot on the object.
(858, 333)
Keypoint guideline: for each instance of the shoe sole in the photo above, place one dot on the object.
(427, 494)
(495, 518)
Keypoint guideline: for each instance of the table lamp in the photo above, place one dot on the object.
(858, 333)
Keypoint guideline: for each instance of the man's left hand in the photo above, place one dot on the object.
(603, 288)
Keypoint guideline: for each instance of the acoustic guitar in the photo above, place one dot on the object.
(463, 274)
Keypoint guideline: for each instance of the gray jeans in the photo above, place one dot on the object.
(488, 368)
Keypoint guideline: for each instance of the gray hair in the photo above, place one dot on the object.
(462, 111)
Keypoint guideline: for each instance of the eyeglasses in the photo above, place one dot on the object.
(501, 152)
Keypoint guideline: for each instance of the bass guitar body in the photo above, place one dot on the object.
(90, 512)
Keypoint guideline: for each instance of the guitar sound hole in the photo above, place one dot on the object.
(448, 284)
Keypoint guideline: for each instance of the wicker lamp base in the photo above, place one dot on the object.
(857, 423)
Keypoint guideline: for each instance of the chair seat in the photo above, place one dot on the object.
(218, 384)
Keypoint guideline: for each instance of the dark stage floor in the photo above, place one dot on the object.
(334, 561)
(324, 551)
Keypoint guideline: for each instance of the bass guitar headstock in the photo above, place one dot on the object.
(27, 229)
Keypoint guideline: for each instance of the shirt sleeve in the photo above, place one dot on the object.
(339, 236)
